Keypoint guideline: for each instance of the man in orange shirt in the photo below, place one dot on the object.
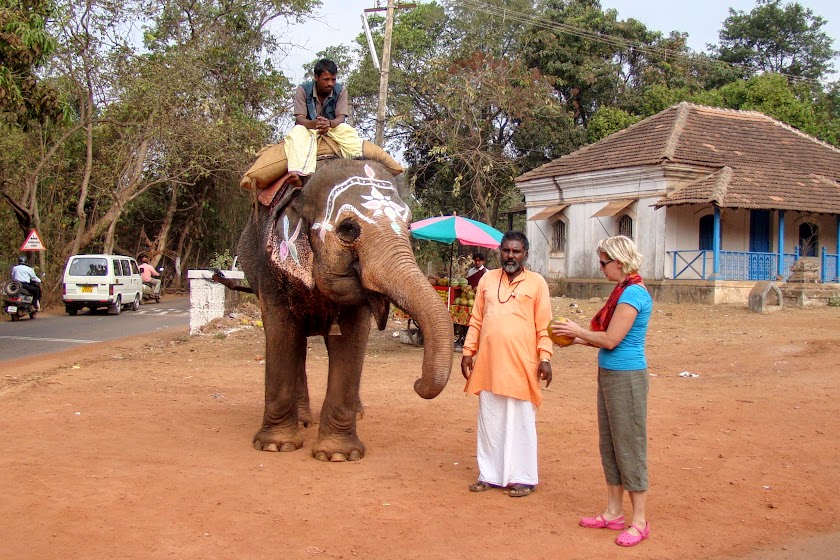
(506, 353)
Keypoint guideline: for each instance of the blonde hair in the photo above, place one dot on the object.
(621, 248)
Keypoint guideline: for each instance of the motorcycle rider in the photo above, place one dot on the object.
(149, 275)
(27, 277)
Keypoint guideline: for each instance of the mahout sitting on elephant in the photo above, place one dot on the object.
(323, 259)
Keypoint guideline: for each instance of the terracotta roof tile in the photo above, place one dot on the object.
(760, 162)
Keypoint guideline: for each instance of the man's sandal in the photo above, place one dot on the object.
(521, 490)
(481, 486)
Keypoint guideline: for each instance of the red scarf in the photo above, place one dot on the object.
(602, 319)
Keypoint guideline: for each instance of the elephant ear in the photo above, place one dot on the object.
(288, 248)
(381, 307)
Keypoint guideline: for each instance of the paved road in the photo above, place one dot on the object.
(54, 331)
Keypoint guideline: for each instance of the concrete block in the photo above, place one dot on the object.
(765, 296)
(208, 299)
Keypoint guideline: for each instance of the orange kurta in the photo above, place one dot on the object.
(508, 332)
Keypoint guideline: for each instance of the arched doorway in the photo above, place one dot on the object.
(809, 239)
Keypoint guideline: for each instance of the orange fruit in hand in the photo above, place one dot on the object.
(559, 340)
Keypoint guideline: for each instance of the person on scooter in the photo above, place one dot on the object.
(28, 279)
(149, 275)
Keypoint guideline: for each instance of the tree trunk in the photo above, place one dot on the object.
(163, 236)
(81, 215)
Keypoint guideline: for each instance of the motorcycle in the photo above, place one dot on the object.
(17, 301)
(149, 292)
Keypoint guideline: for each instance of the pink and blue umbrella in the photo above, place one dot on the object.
(447, 229)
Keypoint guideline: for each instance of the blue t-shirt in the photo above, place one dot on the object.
(630, 353)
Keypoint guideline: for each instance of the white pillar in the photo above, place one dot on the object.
(207, 298)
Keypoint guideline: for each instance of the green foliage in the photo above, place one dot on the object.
(786, 39)
(770, 94)
(25, 44)
(607, 120)
(222, 261)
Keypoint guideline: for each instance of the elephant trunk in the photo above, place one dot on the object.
(396, 274)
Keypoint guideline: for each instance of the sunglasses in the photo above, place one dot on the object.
(605, 263)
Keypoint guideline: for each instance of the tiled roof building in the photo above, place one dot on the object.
(754, 161)
(706, 194)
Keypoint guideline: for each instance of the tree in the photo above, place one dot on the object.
(25, 44)
(467, 113)
(785, 39)
(159, 134)
(597, 59)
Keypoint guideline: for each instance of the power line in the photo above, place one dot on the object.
(612, 40)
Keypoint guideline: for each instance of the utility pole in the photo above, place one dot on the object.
(383, 75)
(385, 68)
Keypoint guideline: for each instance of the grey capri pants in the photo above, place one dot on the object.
(622, 427)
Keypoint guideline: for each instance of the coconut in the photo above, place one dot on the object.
(559, 340)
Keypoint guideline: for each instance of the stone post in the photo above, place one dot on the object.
(208, 299)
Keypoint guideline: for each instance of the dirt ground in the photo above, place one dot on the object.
(142, 449)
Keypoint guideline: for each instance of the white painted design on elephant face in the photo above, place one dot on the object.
(287, 246)
(377, 204)
(280, 246)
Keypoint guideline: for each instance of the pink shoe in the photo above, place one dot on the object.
(629, 539)
(602, 522)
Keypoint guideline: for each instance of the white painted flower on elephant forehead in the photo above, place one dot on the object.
(381, 204)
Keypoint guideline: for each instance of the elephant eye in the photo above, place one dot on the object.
(348, 231)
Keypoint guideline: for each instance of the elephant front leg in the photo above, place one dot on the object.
(285, 381)
(337, 438)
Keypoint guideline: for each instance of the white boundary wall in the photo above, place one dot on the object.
(207, 298)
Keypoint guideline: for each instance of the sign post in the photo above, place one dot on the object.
(33, 243)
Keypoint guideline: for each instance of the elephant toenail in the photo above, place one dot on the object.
(270, 447)
(355, 455)
(338, 458)
(321, 456)
(288, 447)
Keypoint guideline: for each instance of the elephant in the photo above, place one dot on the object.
(327, 258)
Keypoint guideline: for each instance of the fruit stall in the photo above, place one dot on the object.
(461, 297)
(457, 294)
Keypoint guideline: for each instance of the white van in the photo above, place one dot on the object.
(96, 281)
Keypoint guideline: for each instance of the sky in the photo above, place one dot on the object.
(340, 22)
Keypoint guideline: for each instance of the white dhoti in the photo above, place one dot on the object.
(302, 146)
(507, 440)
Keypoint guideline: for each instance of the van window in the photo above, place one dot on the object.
(134, 268)
(125, 268)
(88, 266)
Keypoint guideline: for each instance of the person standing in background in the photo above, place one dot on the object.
(476, 271)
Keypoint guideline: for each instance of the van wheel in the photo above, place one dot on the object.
(72, 311)
(32, 315)
(135, 305)
(117, 307)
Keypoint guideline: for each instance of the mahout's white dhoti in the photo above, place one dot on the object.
(507, 440)
(302, 146)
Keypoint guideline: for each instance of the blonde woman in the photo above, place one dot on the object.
(619, 330)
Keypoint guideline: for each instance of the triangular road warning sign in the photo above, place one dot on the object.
(33, 243)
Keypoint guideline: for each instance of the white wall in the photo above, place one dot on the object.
(655, 231)
(586, 194)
